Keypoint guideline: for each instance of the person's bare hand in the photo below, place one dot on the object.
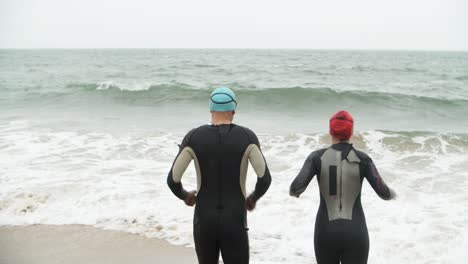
(250, 203)
(191, 198)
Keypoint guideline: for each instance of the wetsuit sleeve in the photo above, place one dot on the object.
(258, 162)
(181, 162)
(376, 181)
(302, 180)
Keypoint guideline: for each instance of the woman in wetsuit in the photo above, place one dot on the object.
(340, 228)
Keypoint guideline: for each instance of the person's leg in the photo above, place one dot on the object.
(234, 242)
(206, 243)
(356, 250)
(327, 244)
(326, 253)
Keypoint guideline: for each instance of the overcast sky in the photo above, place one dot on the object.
(325, 24)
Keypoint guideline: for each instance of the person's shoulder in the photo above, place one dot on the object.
(193, 131)
(251, 136)
(361, 154)
(246, 130)
(202, 127)
(317, 153)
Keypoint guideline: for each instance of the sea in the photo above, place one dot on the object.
(88, 137)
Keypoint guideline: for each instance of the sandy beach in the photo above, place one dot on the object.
(40, 244)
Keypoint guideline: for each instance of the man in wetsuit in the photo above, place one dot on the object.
(340, 227)
(221, 152)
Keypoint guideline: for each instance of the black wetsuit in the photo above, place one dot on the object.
(221, 154)
(340, 227)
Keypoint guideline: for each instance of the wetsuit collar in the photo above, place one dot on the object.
(341, 146)
(344, 147)
(229, 124)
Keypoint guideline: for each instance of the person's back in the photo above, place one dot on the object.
(340, 228)
(221, 152)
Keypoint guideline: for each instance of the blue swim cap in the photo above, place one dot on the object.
(223, 99)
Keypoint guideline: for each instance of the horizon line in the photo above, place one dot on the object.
(263, 48)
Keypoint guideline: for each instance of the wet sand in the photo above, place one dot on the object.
(43, 244)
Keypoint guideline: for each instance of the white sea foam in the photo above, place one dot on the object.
(124, 86)
(119, 182)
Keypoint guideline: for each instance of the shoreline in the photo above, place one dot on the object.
(50, 244)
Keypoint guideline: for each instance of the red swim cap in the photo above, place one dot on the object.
(341, 125)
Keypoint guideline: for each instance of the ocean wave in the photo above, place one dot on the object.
(288, 99)
(316, 72)
(462, 78)
(370, 68)
(205, 66)
(325, 93)
(183, 90)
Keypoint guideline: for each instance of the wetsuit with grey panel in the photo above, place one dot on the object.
(340, 228)
(221, 154)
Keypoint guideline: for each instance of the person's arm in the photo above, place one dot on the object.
(376, 181)
(181, 162)
(258, 162)
(302, 180)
